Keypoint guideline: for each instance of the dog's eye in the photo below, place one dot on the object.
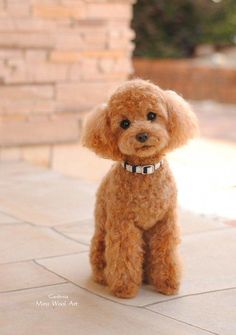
(125, 124)
(151, 116)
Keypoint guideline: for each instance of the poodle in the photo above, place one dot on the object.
(136, 231)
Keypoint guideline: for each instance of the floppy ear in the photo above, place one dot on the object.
(97, 135)
(182, 124)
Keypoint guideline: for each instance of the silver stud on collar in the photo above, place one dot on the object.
(142, 169)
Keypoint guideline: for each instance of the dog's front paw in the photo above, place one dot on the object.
(125, 290)
(99, 277)
(121, 285)
(167, 287)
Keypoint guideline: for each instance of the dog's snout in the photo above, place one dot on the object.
(142, 137)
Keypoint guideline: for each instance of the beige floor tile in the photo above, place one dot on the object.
(205, 176)
(193, 223)
(16, 169)
(190, 223)
(204, 170)
(24, 242)
(58, 200)
(76, 268)
(214, 311)
(77, 161)
(81, 231)
(4, 218)
(206, 261)
(209, 260)
(23, 275)
(88, 316)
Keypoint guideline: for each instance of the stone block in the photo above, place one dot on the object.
(39, 155)
(35, 56)
(20, 108)
(57, 11)
(69, 319)
(65, 56)
(77, 161)
(83, 95)
(26, 40)
(27, 241)
(18, 71)
(32, 24)
(43, 130)
(26, 92)
(23, 271)
(10, 154)
(18, 8)
(109, 10)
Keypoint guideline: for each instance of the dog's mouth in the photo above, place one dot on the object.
(146, 150)
(145, 147)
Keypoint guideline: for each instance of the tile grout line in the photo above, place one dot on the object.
(206, 231)
(120, 303)
(67, 237)
(33, 287)
(45, 226)
(189, 324)
(116, 302)
(189, 295)
(83, 288)
(46, 257)
(10, 215)
(86, 251)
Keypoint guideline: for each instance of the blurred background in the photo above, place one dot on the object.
(60, 58)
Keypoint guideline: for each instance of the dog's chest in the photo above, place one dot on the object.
(142, 199)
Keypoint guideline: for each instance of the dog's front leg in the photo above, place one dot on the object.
(124, 259)
(164, 265)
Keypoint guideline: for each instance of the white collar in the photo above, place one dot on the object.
(142, 169)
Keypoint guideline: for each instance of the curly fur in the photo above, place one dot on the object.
(136, 231)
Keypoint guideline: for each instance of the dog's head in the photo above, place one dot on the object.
(139, 120)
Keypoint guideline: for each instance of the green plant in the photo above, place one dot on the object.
(173, 28)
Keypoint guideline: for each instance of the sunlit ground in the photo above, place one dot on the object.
(206, 178)
(204, 171)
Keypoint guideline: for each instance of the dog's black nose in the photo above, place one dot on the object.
(142, 137)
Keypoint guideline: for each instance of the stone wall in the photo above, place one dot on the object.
(58, 58)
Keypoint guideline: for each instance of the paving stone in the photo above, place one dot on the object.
(19, 169)
(77, 161)
(58, 200)
(205, 174)
(206, 262)
(21, 275)
(25, 242)
(89, 315)
(39, 130)
(4, 218)
(76, 268)
(214, 311)
(192, 223)
(81, 231)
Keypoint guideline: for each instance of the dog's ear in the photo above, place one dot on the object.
(182, 122)
(97, 135)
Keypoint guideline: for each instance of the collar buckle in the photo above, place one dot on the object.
(142, 169)
(148, 169)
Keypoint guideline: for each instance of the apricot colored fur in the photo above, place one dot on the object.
(136, 231)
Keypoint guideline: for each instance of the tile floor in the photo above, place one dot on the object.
(46, 223)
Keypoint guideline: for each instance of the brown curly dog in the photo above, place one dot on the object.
(136, 234)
